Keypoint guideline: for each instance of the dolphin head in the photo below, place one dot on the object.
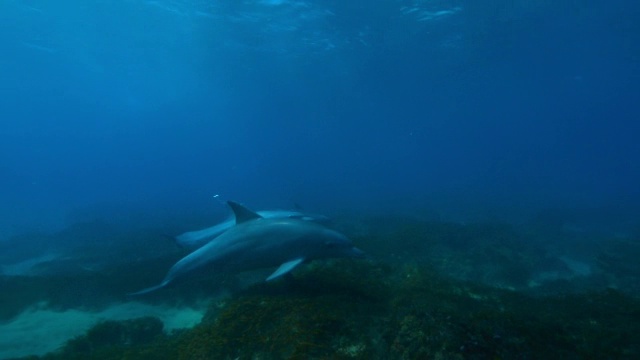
(337, 245)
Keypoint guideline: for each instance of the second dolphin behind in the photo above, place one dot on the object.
(198, 238)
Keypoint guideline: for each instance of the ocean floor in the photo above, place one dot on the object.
(430, 289)
(39, 330)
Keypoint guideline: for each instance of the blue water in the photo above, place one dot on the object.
(493, 142)
(484, 107)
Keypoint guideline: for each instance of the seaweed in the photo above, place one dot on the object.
(435, 290)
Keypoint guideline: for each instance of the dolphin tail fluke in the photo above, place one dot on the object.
(148, 290)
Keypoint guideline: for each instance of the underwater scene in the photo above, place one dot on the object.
(319, 179)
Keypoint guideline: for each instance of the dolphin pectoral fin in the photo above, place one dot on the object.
(285, 268)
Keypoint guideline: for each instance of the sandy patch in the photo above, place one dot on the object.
(40, 330)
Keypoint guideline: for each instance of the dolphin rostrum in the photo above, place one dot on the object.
(196, 239)
(256, 242)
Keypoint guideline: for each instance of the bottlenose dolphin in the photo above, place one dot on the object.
(196, 239)
(256, 242)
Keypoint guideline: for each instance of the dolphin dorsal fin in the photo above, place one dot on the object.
(242, 213)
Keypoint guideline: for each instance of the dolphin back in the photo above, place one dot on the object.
(196, 239)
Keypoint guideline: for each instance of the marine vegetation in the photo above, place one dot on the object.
(346, 310)
(429, 291)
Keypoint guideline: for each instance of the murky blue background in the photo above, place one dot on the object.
(490, 108)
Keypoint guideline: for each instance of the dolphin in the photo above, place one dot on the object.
(195, 239)
(256, 242)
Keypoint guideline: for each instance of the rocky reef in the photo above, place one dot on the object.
(431, 290)
(365, 310)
